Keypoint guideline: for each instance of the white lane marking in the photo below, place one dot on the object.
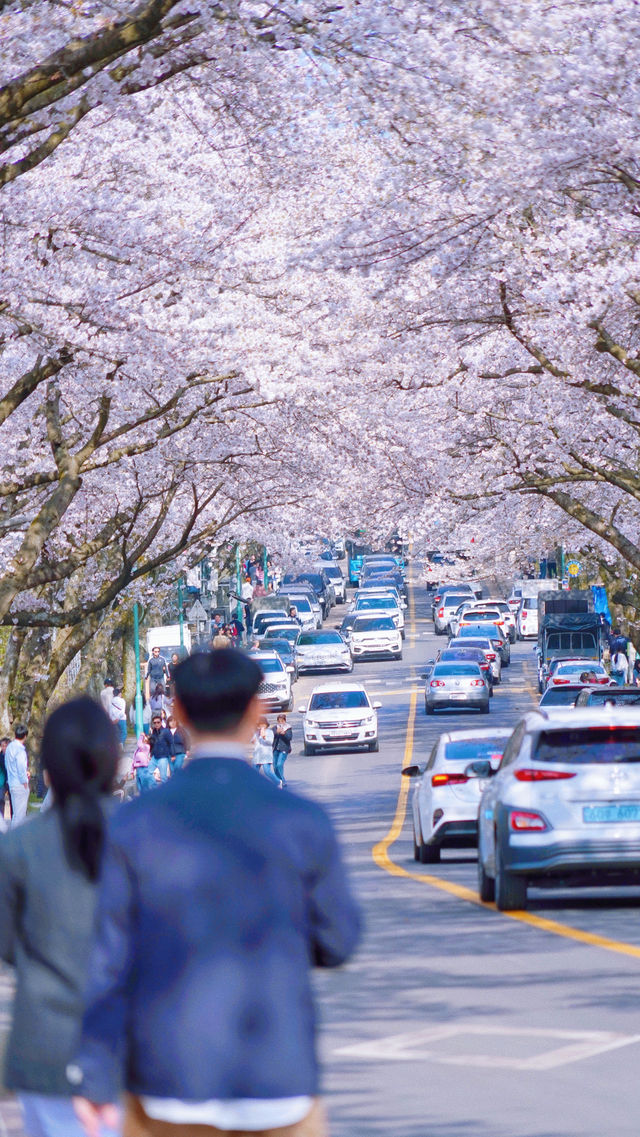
(418, 1046)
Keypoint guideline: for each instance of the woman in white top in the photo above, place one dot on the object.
(263, 751)
(118, 714)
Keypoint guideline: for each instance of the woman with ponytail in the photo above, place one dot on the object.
(49, 870)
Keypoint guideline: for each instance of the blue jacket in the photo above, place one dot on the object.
(218, 894)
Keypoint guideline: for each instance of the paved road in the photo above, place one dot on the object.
(454, 1020)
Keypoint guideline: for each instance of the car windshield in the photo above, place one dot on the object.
(472, 749)
(308, 638)
(333, 572)
(456, 669)
(270, 665)
(338, 700)
(374, 624)
(454, 601)
(283, 647)
(559, 697)
(302, 603)
(365, 602)
(597, 745)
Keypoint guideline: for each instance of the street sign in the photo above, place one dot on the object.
(574, 568)
(197, 613)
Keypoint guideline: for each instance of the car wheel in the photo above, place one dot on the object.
(511, 890)
(398, 655)
(289, 706)
(374, 746)
(486, 884)
(416, 846)
(429, 854)
(486, 709)
(308, 749)
(402, 633)
(428, 709)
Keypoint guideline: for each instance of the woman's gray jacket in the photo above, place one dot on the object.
(46, 925)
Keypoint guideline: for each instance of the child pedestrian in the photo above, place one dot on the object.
(140, 764)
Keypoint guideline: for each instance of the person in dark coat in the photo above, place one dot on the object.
(282, 736)
(180, 747)
(218, 894)
(162, 748)
(49, 870)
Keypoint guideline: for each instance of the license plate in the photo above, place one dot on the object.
(624, 811)
(458, 695)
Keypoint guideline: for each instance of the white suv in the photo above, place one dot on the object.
(340, 716)
(275, 689)
(527, 618)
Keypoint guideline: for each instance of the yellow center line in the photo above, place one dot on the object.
(382, 858)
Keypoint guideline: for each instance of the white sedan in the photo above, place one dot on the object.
(445, 800)
(340, 716)
(322, 651)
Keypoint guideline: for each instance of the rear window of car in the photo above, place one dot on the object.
(308, 638)
(470, 749)
(456, 669)
(480, 615)
(593, 745)
(338, 700)
(530, 603)
(374, 624)
(613, 698)
(577, 668)
(365, 602)
(470, 641)
(452, 600)
(559, 697)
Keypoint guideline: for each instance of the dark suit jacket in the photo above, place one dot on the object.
(218, 893)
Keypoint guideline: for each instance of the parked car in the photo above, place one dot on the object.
(282, 647)
(267, 619)
(303, 590)
(275, 689)
(445, 610)
(323, 651)
(307, 609)
(562, 672)
(494, 633)
(335, 574)
(527, 618)
(561, 696)
(459, 685)
(374, 636)
(379, 604)
(490, 651)
(285, 631)
(340, 717)
(445, 800)
(564, 807)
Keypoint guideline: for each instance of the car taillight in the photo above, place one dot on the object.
(491, 655)
(449, 779)
(477, 683)
(532, 775)
(559, 682)
(441, 612)
(437, 599)
(523, 820)
(437, 683)
(523, 615)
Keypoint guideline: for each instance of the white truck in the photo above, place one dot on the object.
(167, 638)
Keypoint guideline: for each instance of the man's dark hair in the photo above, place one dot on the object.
(20, 731)
(108, 682)
(215, 689)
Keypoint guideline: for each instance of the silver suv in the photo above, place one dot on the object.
(444, 611)
(564, 806)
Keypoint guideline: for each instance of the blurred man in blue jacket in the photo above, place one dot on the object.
(218, 894)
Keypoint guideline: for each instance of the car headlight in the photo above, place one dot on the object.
(369, 721)
(312, 725)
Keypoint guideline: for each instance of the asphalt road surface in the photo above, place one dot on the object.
(455, 1020)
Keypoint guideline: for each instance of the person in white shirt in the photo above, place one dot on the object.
(118, 714)
(106, 695)
(17, 767)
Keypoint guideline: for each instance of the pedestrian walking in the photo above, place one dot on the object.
(140, 764)
(221, 640)
(157, 670)
(161, 743)
(106, 694)
(619, 667)
(281, 747)
(17, 767)
(118, 714)
(4, 789)
(263, 751)
(199, 999)
(48, 879)
(176, 760)
(173, 663)
(632, 655)
(158, 701)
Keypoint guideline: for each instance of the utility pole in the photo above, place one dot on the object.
(136, 646)
(265, 570)
(181, 614)
(238, 583)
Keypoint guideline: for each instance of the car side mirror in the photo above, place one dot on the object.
(413, 771)
(302, 710)
(376, 706)
(480, 769)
